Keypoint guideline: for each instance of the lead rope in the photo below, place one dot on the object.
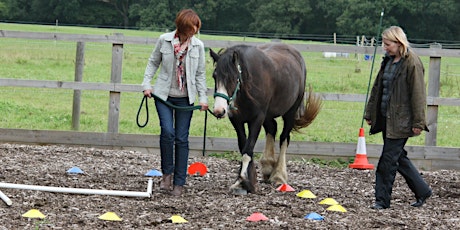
(183, 108)
(144, 99)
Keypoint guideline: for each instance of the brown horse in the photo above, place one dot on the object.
(254, 85)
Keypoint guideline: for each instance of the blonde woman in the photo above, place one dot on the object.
(396, 107)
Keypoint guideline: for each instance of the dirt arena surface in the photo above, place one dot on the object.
(207, 203)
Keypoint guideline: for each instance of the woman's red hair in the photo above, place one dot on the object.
(185, 20)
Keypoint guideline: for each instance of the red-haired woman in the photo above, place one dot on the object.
(180, 58)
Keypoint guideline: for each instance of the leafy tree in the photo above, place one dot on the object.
(431, 20)
(207, 10)
(122, 8)
(86, 12)
(18, 10)
(2, 9)
(97, 13)
(280, 16)
(360, 18)
(49, 11)
(156, 15)
(424, 20)
(225, 15)
(325, 14)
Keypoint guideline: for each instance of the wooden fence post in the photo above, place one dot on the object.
(434, 77)
(79, 65)
(114, 103)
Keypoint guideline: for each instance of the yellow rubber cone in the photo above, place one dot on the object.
(329, 201)
(110, 216)
(306, 194)
(337, 208)
(34, 213)
(176, 219)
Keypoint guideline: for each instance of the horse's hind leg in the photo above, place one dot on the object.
(279, 175)
(268, 158)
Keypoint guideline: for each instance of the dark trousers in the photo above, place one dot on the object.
(394, 159)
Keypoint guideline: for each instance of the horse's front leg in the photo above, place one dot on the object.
(247, 178)
(237, 187)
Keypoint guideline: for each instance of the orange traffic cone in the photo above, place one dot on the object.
(361, 158)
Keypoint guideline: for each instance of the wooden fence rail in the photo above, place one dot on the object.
(428, 157)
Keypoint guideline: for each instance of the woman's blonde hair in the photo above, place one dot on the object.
(396, 34)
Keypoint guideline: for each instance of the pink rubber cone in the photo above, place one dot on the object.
(257, 216)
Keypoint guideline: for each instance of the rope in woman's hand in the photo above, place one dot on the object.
(144, 100)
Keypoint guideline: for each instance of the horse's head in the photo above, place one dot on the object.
(227, 74)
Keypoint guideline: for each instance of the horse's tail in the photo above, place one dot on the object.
(307, 112)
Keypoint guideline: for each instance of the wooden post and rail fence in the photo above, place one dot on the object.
(429, 157)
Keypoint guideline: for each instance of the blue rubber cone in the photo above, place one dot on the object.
(153, 172)
(75, 170)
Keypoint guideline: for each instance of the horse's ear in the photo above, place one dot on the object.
(235, 58)
(214, 55)
(236, 61)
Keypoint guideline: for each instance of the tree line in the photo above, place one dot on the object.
(423, 20)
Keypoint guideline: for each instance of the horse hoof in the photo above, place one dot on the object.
(277, 181)
(239, 192)
(266, 178)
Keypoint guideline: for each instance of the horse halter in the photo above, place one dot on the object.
(230, 100)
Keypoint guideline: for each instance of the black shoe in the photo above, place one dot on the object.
(420, 201)
(378, 206)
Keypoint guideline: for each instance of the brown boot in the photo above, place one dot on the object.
(177, 191)
(166, 181)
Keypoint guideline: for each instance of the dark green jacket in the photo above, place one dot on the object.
(407, 102)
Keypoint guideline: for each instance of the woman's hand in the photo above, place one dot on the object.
(417, 131)
(204, 106)
(148, 93)
(369, 122)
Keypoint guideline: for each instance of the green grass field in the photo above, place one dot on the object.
(51, 109)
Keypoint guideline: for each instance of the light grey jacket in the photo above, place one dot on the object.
(195, 67)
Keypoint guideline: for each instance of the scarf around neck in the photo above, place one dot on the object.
(180, 50)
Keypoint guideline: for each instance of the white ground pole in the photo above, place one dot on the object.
(5, 199)
(77, 190)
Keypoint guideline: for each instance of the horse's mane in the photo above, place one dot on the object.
(226, 71)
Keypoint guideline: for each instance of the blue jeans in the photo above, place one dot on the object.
(175, 125)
